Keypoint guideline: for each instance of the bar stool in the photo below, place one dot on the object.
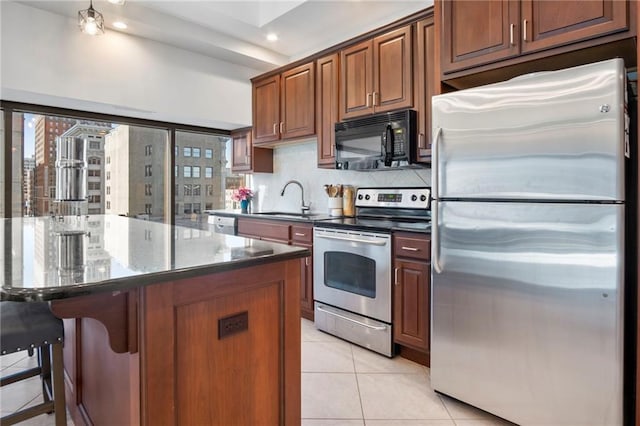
(27, 326)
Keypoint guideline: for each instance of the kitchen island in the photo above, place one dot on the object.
(165, 325)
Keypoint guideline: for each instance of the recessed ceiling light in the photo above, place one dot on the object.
(120, 25)
(272, 37)
(120, 2)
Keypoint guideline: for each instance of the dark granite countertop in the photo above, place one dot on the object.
(275, 215)
(47, 258)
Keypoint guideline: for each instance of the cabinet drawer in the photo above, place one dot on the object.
(268, 230)
(412, 245)
(301, 234)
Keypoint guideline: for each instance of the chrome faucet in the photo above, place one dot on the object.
(305, 207)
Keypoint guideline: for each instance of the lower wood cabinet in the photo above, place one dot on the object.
(294, 233)
(411, 289)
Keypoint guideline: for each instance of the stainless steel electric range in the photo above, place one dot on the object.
(352, 258)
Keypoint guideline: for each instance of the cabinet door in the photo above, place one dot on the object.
(425, 85)
(241, 158)
(298, 102)
(306, 288)
(411, 304)
(392, 70)
(356, 80)
(327, 108)
(266, 110)
(548, 24)
(476, 32)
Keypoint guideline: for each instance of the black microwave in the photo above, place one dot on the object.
(377, 142)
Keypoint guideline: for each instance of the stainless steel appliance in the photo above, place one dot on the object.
(352, 276)
(224, 224)
(378, 142)
(528, 246)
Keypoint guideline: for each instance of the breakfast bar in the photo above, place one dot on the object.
(163, 324)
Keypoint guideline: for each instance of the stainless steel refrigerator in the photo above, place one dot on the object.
(528, 246)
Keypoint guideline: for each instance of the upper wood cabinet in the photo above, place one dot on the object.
(284, 105)
(425, 85)
(327, 79)
(247, 158)
(478, 32)
(376, 75)
(548, 24)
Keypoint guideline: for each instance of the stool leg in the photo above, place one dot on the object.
(58, 386)
(44, 353)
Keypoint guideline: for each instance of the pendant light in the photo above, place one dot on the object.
(91, 21)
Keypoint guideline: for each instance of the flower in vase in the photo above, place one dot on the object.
(242, 193)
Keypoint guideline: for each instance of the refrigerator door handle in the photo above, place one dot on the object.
(434, 181)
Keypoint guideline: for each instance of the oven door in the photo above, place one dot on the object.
(353, 271)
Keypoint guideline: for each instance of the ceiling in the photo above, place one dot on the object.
(235, 31)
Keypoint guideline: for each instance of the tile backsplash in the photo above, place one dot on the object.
(299, 162)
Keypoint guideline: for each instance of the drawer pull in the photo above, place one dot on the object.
(299, 234)
(396, 276)
(524, 30)
(410, 248)
(511, 28)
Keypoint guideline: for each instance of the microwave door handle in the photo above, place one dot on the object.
(388, 146)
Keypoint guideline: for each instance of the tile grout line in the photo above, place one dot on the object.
(355, 372)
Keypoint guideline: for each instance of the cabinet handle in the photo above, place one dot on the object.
(306, 261)
(368, 100)
(374, 98)
(524, 30)
(299, 234)
(395, 276)
(511, 29)
(331, 150)
(282, 127)
(410, 248)
(421, 140)
(275, 128)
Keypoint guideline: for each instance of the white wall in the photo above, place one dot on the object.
(299, 162)
(45, 59)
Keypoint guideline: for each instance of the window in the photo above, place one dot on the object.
(108, 190)
(148, 150)
(196, 152)
(147, 189)
(187, 208)
(176, 170)
(177, 192)
(93, 198)
(94, 172)
(196, 190)
(94, 160)
(209, 190)
(187, 190)
(208, 153)
(186, 171)
(208, 206)
(109, 160)
(208, 172)
(109, 205)
(196, 171)
(196, 207)
(94, 186)
(108, 175)
(94, 145)
(187, 151)
(177, 150)
(148, 208)
(148, 170)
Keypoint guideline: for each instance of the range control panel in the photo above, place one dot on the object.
(405, 198)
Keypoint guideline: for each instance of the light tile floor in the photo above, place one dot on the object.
(346, 385)
(342, 385)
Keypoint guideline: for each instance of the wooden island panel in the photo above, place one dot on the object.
(182, 368)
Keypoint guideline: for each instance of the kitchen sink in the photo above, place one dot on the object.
(291, 214)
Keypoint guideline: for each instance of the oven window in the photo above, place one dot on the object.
(350, 272)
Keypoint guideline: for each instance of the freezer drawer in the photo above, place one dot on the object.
(527, 314)
(558, 135)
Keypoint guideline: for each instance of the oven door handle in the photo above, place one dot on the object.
(353, 240)
(373, 327)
